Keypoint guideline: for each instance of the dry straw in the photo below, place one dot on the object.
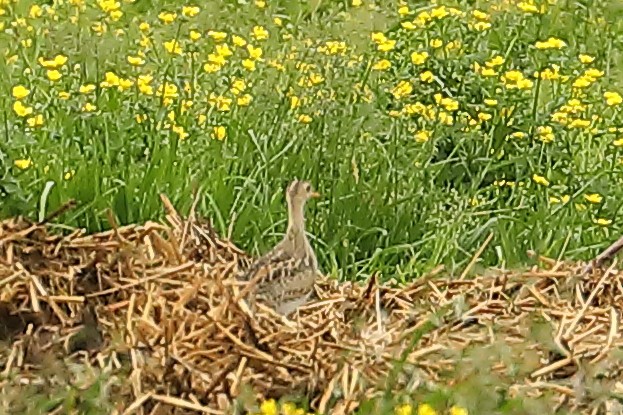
(160, 303)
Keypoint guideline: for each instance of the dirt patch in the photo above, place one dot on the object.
(160, 304)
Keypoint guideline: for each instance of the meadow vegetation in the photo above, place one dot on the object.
(427, 126)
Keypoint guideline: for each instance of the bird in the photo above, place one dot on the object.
(285, 275)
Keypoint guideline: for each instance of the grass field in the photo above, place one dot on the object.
(426, 126)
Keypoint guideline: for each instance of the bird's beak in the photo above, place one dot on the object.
(314, 194)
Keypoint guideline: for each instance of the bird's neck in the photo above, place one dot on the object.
(296, 218)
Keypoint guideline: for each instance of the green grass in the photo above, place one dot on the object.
(391, 204)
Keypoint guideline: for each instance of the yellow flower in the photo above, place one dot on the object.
(418, 58)
(593, 198)
(603, 222)
(382, 65)
(22, 164)
(244, 100)
(613, 98)
(260, 4)
(277, 21)
(448, 103)
(427, 77)
(217, 36)
(528, 7)
(425, 409)
(86, 89)
(135, 60)
(268, 407)
(254, 53)
(315, 78)
(59, 60)
(223, 50)
(219, 133)
(144, 27)
(216, 59)
(402, 89)
(289, 408)
(194, 35)
(144, 86)
(304, 118)
(586, 59)
(356, 3)
(54, 75)
(480, 15)
(221, 103)
(21, 109)
(238, 41)
(125, 84)
(457, 410)
(582, 82)
(333, 47)
(594, 73)
(145, 42)
(405, 409)
(518, 135)
(238, 86)
(167, 17)
(445, 118)
(422, 136)
(387, 45)
(69, 174)
(439, 12)
(36, 121)
(491, 102)
(63, 95)
(378, 37)
(173, 46)
(35, 11)
(482, 26)
(190, 11)
(248, 64)
(488, 72)
(436, 43)
(108, 5)
(404, 10)
(88, 107)
(116, 15)
(259, 33)
(20, 92)
(618, 143)
(540, 180)
(179, 130)
(579, 123)
(546, 133)
(482, 116)
(211, 67)
(551, 43)
(495, 61)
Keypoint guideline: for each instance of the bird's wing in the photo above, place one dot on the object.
(290, 283)
(265, 264)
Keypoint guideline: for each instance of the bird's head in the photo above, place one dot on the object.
(300, 191)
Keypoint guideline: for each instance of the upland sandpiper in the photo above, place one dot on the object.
(285, 276)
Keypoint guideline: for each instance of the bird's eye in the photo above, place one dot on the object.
(307, 188)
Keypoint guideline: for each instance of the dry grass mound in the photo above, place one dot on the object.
(158, 306)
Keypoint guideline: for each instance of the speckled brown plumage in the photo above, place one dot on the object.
(286, 274)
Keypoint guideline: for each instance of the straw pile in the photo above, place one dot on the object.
(161, 305)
